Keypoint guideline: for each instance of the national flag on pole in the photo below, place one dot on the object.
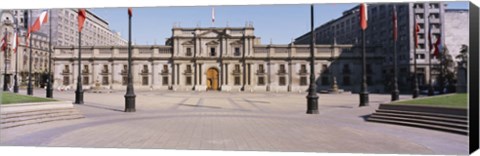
(82, 15)
(42, 19)
(130, 12)
(417, 29)
(15, 42)
(3, 42)
(395, 33)
(363, 16)
(213, 15)
(438, 46)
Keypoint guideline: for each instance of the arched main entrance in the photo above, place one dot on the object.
(212, 79)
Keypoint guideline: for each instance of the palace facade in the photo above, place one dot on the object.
(224, 59)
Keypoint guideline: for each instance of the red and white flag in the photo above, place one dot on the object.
(15, 42)
(415, 33)
(82, 15)
(213, 15)
(395, 27)
(363, 16)
(42, 19)
(3, 43)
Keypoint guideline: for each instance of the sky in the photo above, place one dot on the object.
(279, 24)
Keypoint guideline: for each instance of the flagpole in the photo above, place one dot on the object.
(395, 91)
(29, 87)
(15, 83)
(5, 86)
(49, 79)
(363, 87)
(430, 85)
(312, 97)
(415, 80)
(79, 91)
(130, 95)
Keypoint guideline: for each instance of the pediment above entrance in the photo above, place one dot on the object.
(237, 42)
(212, 43)
(188, 43)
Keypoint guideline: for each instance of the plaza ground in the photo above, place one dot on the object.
(232, 121)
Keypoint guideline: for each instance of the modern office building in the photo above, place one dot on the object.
(456, 30)
(346, 30)
(65, 28)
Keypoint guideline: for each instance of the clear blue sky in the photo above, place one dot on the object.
(280, 23)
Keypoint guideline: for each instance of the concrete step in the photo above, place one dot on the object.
(420, 121)
(420, 125)
(37, 116)
(459, 117)
(423, 117)
(7, 116)
(20, 117)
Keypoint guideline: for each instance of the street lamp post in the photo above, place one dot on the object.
(49, 79)
(312, 97)
(130, 95)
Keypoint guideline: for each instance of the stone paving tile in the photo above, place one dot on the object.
(233, 121)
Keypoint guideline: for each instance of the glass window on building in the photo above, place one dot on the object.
(303, 81)
(237, 51)
(85, 80)
(237, 81)
(346, 80)
(165, 80)
(188, 80)
(124, 80)
(145, 80)
(261, 80)
(282, 81)
(189, 51)
(66, 80)
(105, 80)
(213, 52)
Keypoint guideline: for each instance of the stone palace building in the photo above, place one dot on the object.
(223, 59)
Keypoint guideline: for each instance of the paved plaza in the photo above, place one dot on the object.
(232, 121)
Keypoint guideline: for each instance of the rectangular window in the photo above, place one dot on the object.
(188, 80)
(189, 51)
(165, 80)
(145, 80)
(105, 80)
(346, 80)
(237, 80)
(237, 51)
(261, 80)
(282, 81)
(212, 52)
(303, 81)
(66, 80)
(85, 80)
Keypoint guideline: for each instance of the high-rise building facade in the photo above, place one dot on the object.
(65, 28)
(346, 30)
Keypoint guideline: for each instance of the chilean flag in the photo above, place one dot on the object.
(4, 43)
(82, 15)
(213, 15)
(415, 33)
(130, 12)
(42, 19)
(363, 16)
(15, 42)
